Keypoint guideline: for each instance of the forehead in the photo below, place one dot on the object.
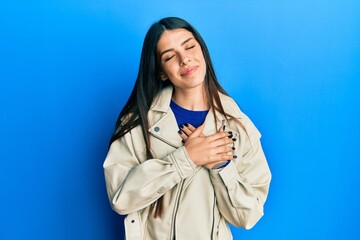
(173, 38)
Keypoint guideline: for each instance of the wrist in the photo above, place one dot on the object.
(221, 165)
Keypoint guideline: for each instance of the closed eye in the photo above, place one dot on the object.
(167, 59)
(190, 47)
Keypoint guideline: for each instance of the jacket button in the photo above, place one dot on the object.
(156, 129)
(132, 221)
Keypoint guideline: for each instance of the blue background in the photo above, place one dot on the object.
(67, 67)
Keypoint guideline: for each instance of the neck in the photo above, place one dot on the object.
(191, 99)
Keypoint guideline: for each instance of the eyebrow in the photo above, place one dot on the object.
(171, 49)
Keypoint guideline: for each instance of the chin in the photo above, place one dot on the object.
(197, 83)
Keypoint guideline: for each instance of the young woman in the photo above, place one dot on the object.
(188, 183)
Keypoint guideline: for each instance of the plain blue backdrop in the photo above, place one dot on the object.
(67, 67)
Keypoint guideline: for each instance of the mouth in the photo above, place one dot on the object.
(188, 71)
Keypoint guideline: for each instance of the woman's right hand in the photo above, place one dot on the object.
(207, 150)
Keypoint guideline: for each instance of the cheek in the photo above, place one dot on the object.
(170, 70)
(200, 56)
(203, 61)
(164, 68)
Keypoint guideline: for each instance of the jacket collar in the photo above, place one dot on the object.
(161, 116)
(162, 102)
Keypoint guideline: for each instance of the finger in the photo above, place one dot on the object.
(191, 128)
(222, 157)
(220, 135)
(182, 134)
(222, 150)
(201, 134)
(185, 129)
(197, 131)
(220, 142)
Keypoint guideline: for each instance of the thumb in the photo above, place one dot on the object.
(197, 131)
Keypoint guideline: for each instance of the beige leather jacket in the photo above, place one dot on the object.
(197, 202)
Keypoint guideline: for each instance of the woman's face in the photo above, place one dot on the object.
(181, 59)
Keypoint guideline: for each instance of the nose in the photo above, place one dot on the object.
(184, 60)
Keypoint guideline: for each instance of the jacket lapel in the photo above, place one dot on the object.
(162, 121)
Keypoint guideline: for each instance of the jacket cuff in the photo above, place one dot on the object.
(182, 162)
(225, 175)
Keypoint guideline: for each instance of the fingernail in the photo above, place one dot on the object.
(183, 141)
(234, 139)
(229, 132)
(224, 128)
(186, 124)
(230, 136)
(180, 132)
(233, 148)
(234, 156)
(182, 126)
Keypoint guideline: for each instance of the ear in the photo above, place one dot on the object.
(163, 76)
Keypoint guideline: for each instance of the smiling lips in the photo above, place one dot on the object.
(188, 71)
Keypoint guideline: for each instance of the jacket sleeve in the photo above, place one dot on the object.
(133, 184)
(241, 187)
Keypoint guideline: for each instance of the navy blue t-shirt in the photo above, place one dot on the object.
(182, 115)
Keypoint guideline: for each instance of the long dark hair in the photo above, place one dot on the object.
(149, 84)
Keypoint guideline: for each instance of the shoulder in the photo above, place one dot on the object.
(231, 107)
